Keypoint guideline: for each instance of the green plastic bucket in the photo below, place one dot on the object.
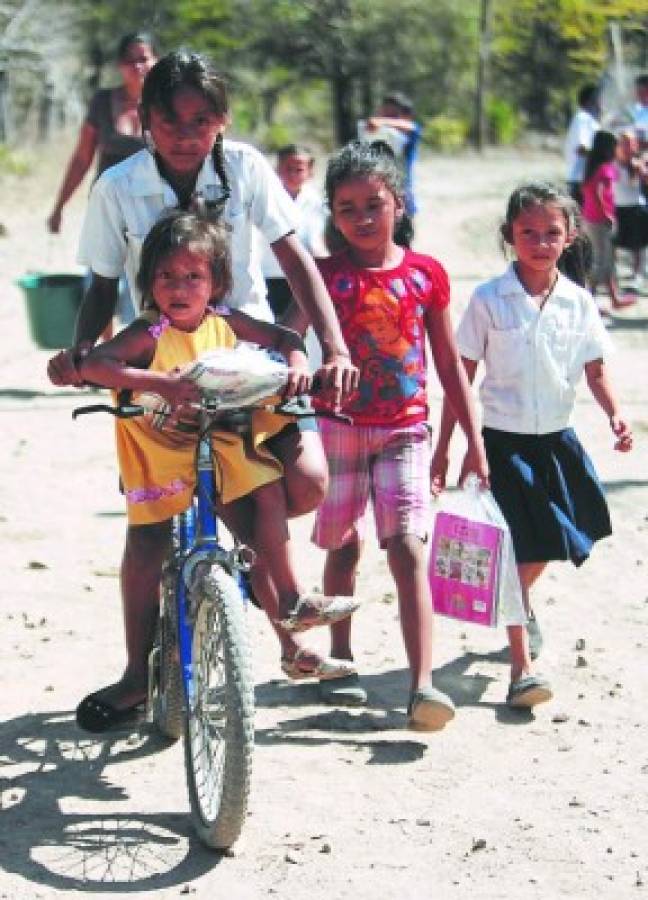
(53, 302)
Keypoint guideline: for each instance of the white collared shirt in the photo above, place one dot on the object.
(534, 358)
(130, 197)
(310, 217)
(581, 133)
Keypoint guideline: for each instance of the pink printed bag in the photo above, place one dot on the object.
(472, 569)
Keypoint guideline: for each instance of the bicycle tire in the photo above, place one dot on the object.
(219, 726)
(168, 696)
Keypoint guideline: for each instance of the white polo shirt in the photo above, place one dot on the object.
(130, 197)
(533, 358)
(310, 218)
(581, 133)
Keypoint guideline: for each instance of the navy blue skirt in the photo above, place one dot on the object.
(549, 494)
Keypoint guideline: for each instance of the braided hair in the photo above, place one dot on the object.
(186, 69)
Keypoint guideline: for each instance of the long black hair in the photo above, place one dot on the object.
(186, 69)
(603, 150)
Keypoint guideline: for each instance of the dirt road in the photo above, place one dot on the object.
(345, 804)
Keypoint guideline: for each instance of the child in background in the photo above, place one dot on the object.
(185, 269)
(599, 215)
(295, 170)
(631, 207)
(388, 300)
(579, 137)
(537, 332)
(184, 112)
(397, 112)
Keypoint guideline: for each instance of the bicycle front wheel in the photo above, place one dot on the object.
(219, 729)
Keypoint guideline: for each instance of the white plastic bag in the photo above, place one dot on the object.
(473, 503)
(242, 376)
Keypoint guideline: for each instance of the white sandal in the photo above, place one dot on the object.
(309, 664)
(314, 610)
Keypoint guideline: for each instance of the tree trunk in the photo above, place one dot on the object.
(481, 121)
(343, 111)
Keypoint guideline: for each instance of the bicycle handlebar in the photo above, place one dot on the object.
(125, 409)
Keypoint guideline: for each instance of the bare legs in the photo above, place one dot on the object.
(144, 553)
(407, 562)
(517, 634)
(301, 490)
(340, 571)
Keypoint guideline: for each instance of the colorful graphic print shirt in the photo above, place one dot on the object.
(382, 318)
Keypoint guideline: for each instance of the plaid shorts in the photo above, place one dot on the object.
(390, 465)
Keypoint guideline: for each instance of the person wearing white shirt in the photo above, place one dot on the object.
(295, 171)
(640, 110)
(294, 168)
(578, 142)
(188, 164)
(537, 332)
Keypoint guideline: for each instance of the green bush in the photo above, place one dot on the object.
(445, 133)
(12, 163)
(503, 121)
(276, 136)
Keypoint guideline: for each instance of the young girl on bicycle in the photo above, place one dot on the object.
(388, 299)
(185, 269)
(184, 111)
(537, 331)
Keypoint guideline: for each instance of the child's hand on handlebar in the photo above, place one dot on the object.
(299, 375)
(62, 369)
(178, 390)
(299, 382)
(339, 378)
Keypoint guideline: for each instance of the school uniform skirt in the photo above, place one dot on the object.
(549, 494)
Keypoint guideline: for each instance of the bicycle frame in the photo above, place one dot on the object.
(196, 539)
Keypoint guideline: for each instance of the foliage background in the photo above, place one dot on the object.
(308, 69)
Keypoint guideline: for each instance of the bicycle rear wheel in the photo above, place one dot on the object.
(168, 699)
(219, 729)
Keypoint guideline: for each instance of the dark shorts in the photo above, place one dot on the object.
(279, 296)
(632, 227)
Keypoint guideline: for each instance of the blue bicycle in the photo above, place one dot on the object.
(200, 674)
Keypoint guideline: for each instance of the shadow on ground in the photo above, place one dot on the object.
(47, 764)
(385, 710)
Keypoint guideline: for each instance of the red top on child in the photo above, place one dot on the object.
(381, 313)
(598, 194)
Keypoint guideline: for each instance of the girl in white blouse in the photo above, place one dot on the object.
(537, 331)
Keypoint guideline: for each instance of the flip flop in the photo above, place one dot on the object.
(528, 691)
(429, 710)
(97, 715)
(309, 664)
(312, 611)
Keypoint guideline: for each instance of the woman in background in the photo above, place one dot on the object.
(112, 130)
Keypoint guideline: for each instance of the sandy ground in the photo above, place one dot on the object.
(345, 803)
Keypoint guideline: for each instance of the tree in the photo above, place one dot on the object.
(544, 49)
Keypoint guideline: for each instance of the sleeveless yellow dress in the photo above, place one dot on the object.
(158, 469)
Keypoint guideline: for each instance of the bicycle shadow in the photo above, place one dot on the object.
(384, 712)
(49, 768)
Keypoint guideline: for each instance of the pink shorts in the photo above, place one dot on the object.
(390, 465)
